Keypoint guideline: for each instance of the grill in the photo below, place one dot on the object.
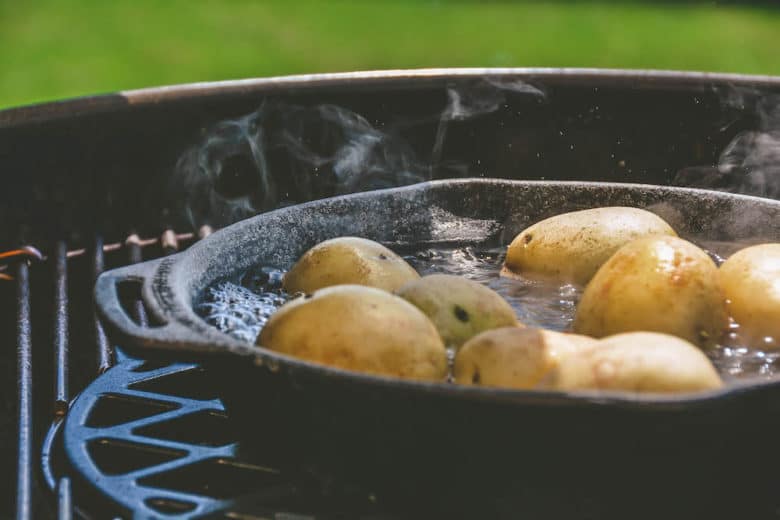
(144, 438)
(92, 432)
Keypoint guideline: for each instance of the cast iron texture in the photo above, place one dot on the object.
(463, 449)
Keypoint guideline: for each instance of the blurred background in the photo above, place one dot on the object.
(52, 49)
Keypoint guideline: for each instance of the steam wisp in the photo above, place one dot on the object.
(285, 153)
(750, 163)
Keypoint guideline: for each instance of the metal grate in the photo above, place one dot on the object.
(154, 453)
(14, 267)
(143, 439)
(154, 441)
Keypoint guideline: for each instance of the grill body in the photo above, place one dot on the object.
(82, 180)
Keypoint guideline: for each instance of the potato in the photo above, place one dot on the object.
(636, 362)
(460, 308)
(512, 357)
(572, 246)
(348, 260)
(358, 328)
(658, 284)
(750, 280)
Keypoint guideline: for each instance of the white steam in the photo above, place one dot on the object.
(286, 153)
(750, 163)
(253, 163)
(466, 101)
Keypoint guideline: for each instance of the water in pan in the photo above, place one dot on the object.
(241, 307)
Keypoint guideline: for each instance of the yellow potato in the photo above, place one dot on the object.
(572, 246)
(512, 357)
(636, 362)
(750, 280)
(348, 260)
(460, 308)
(358, 328)
(659, 284)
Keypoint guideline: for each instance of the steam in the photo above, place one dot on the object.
(477, 99)
(285, 153)
(753, 159)
(256, 162)
(750, 163)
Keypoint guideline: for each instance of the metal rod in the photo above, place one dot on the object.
(23, 252)
(64, 501)
(61, 396)
(134, 256)
(107, 248)
(104, 349)
(143, 242)
(204, 231)
(169, 242)
(25, 386)
(27, 251)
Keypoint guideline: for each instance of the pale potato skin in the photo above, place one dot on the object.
(750, 280)
(358, 328)
(459, 308)
(512, 357)
(657, 284)
(644, 362)
(348, 260)
(572, 246)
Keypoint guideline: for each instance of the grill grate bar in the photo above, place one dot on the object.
(134, 256)
(61, 367)
(61, 396)
(64, 501)
(169, 242)
(25, 401)
(104, 354)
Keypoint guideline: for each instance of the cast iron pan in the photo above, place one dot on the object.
(435, 448)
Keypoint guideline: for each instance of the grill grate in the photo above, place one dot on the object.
(156, 453)
(21, 275)
(154, 441)
(143, 439)
(25, 401)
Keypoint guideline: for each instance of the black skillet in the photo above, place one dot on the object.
(465, 451)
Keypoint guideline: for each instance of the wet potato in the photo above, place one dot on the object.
(657, 282)
(460, 308)
(750, 280)
(358, 328)
(512, 357)
(572, 246)
(660, 284)
(348, 260)
(643, 362)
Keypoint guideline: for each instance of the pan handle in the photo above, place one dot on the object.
(115, 316)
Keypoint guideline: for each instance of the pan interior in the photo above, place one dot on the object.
(473, 245)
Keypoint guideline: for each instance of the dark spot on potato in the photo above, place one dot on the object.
(307, 296)
(461, 314)
(382, 256)
(475, 377)
(528, 238)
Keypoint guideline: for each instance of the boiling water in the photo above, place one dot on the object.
(242, 306)
(242, 309)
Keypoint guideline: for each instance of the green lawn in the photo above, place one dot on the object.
(53, 49)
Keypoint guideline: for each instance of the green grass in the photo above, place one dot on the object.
(53, 49)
